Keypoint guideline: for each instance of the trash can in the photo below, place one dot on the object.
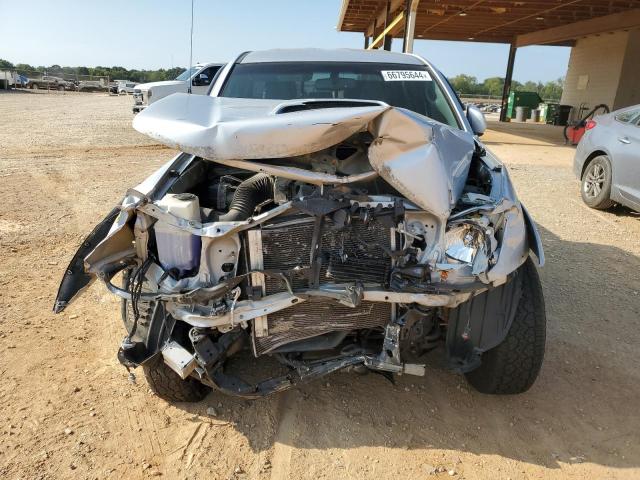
(521, 114)
(535, 115)
(562, 117)
(522, 99)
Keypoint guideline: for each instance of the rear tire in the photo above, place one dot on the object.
(596, 183)
(168, 385)
(513, 366)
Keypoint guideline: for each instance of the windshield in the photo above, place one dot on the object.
(187, 74)
(406, 86)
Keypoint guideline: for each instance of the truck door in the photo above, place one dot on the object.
(202, 80)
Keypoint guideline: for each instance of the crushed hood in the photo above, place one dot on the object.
(164, 83)
(424, 160)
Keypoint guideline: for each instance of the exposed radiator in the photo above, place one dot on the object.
(348, 255)
(345, 259)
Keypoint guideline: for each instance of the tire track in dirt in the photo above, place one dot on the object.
(282, 448)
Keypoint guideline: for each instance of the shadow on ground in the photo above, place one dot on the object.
(540, 133)
(622, 211)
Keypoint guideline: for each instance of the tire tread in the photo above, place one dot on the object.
(170, 387)
(513, 366)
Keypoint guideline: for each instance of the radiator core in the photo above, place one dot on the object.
(348, 255)
(352, 254)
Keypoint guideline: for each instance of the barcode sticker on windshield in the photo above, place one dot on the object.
(405, 76)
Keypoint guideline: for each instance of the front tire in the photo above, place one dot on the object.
(163, 381)
(168, 385)
(513, 366)
(596, 183)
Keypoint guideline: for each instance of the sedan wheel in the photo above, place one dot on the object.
(596, 183)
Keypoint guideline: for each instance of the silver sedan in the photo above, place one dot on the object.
(607, 160)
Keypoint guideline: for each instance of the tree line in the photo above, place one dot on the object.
(463, 84)
(469, 85)
(111, 72)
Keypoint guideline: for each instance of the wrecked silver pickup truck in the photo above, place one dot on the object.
(330, 210)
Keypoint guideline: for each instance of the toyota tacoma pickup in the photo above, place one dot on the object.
(200, 76)
(330, 210)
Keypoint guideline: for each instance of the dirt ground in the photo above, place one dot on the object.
(69, 411)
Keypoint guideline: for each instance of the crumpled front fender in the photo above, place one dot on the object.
(75, 278)
(533, 236)
(112, 238)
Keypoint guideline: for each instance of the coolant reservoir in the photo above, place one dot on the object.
(179, 250)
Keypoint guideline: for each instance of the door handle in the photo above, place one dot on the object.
(624, 140)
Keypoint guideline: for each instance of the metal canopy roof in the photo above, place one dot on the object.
(502, 21)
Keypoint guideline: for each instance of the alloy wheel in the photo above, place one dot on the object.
(594, 181)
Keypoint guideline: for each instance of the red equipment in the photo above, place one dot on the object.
(573, 133)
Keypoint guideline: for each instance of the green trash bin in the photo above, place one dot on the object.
(563, 115)
(522, 99)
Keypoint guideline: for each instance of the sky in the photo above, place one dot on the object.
(151, 34)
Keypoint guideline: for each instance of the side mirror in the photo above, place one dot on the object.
(476, 120)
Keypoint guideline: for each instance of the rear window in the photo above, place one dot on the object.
(407, 86)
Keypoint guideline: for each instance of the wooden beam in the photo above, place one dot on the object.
(387, 31)
(506, 89)
(460, 37)
(386, 41)
(409, 34)
(343, 10)
(608, 23)
(380, 17)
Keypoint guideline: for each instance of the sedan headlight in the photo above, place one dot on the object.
(463, 241)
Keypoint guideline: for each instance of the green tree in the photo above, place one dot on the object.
(493, 86)
(552, 90)
(528, 86)
(5, 64)
(464, 84)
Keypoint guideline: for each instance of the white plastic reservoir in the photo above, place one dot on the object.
(178, 250)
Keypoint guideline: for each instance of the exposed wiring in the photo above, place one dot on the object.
(134, 286)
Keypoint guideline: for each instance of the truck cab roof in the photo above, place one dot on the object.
(329, 55)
